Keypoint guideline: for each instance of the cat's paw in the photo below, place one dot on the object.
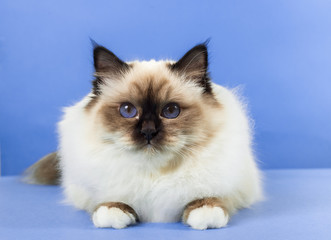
(108, 216)
(207, 217)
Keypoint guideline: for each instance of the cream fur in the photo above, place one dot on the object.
(207, 217)
(94, 172)
(105, 217)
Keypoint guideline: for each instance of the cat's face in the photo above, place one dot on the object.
(155, 106)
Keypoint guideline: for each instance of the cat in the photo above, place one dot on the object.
(154, 141)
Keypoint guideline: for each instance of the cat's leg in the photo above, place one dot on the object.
(114, 215)
(206, 213)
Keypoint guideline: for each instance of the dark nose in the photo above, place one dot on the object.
(148, 130)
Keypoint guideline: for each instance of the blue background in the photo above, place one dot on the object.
(280, 51)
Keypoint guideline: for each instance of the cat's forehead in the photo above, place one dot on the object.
(151, 80)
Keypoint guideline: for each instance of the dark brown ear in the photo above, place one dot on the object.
(106, 61)
(106, 64)
(194, 66)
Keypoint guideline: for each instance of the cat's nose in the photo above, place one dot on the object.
(148, 130)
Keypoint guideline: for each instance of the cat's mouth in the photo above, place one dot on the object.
(149, 146)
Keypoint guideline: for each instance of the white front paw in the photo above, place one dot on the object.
(112, 217)
(207, 217)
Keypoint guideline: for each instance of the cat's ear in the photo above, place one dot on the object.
(107, 62)
(194, 66)
(107, 65)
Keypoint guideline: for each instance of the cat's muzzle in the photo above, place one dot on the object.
(148, 130)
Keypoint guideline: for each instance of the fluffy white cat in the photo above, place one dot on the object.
(154, 141)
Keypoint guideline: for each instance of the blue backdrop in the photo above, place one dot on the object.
(280, 51)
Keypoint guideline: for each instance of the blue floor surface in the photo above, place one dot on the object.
(298, 206)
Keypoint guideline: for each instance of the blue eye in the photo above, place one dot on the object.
(127, 110)
(171, 110)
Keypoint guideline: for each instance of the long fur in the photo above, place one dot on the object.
(205, 152)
